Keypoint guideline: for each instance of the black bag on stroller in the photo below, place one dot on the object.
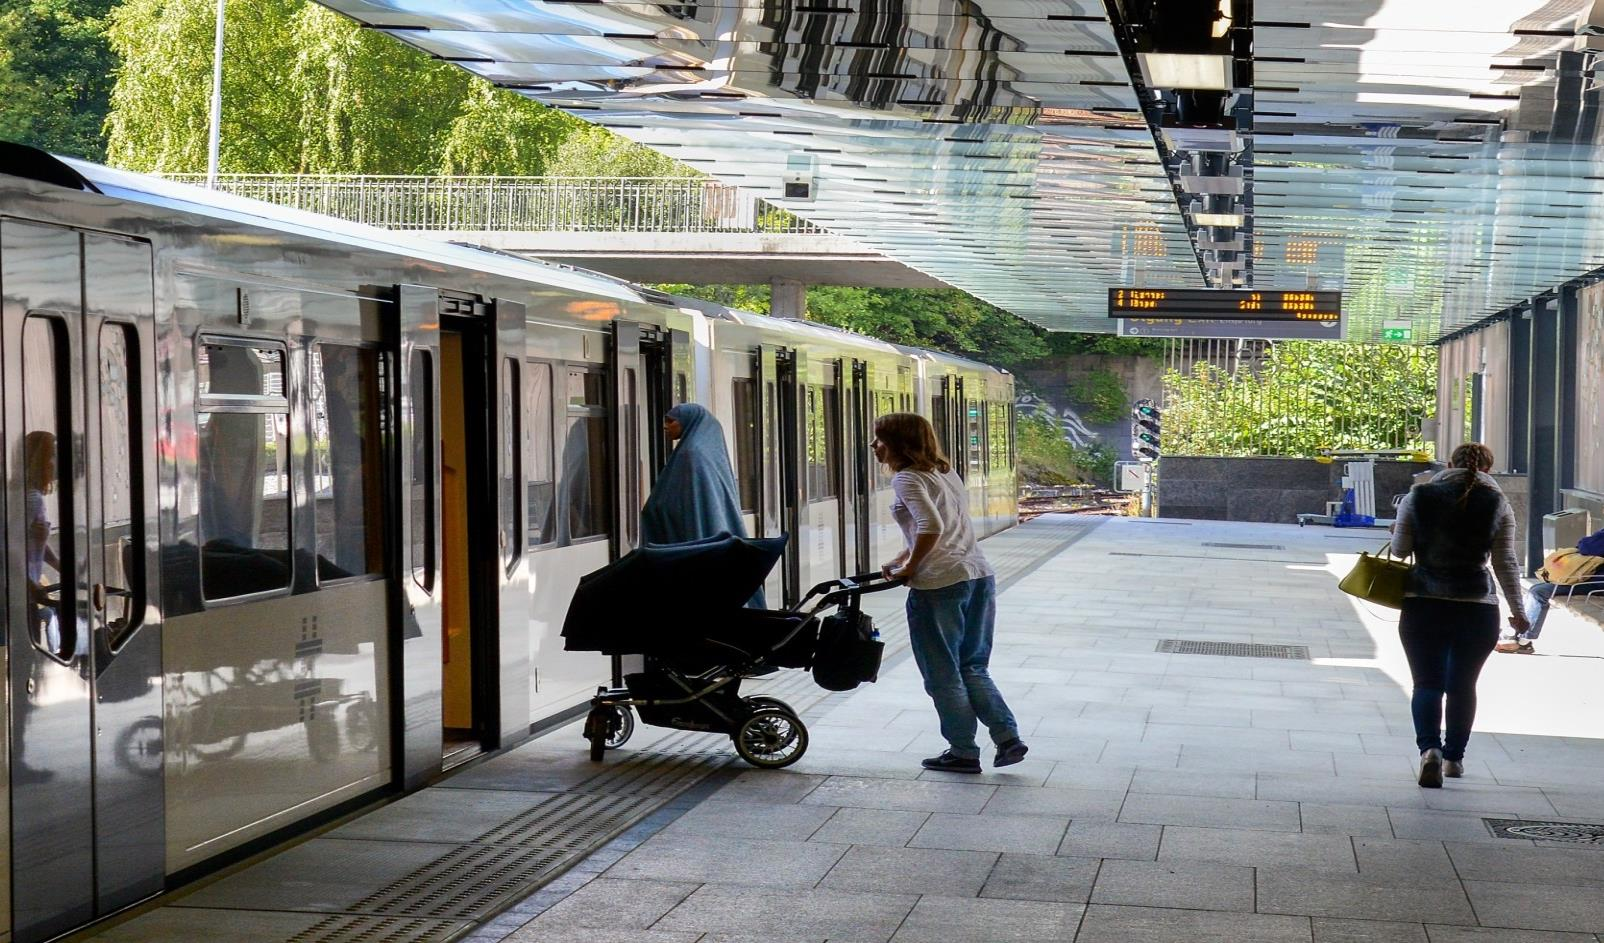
(848, 652)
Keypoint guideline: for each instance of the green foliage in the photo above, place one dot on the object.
(943, 319)
(1047, 458)
(55, 74)
(1307, 396)
(1064, 344)
(307, 91)
(1101, 395)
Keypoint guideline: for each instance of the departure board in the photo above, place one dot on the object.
(1208, 304)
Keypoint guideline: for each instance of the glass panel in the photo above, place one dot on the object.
(45, 472)
(244, 503)
(538, 454)
(348, 460)
(974, 433)
(507, 499)
(229, 370)
(420, 402)
(744, 399)
(771, 438)
(121, 535)
(587, 479)
(831, 424)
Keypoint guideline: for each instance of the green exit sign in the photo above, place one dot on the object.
(1397, 334)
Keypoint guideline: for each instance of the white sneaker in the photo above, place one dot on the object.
(1453, 769)
(1431, 769)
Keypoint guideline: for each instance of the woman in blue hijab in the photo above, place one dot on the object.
(695, 496)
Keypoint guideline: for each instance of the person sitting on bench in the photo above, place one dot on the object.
(1541, 594)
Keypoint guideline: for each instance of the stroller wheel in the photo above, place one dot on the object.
(771, 738)
(608, 727)
(760, 701)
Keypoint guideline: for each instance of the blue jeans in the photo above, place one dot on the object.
(1539, 596)
(950, 630)
(1447, 642)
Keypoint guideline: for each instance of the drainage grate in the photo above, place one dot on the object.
(1572, 833)
(1245, 546)
(358, 929)
(1176, 646)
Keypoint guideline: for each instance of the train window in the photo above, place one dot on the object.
(743, 399)
(824, 442)
(511, 459)
(537, 454)
(587, 458)
(242, 456)
(121, 536)
(420, 403)
(975, 432)
(46, 476)
(348, 459)
(997, 435)
(885, 403)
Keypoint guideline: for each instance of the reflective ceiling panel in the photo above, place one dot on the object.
(1437, 161)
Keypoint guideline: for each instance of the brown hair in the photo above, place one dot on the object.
(1475, 457)
(39, 451)
(911, 442)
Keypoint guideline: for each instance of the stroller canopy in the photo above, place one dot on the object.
(661, 594)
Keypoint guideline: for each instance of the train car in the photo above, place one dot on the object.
(294, 508)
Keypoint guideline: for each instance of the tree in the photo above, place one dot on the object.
(502, 133)
(592, 151)
(1307, 396)
(55, 74)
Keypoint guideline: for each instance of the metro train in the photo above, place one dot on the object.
(294, 508)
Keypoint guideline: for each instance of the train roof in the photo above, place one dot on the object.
(182, 197)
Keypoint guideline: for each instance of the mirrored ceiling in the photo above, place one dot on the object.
(1435, 161)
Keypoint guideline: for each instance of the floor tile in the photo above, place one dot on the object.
(1538, 906)
(1080, 804)
(808, 912)
(1496, 935)
(1212, 813)
(324, 874)
(1190, 885)
(1329, 894)
(1338, 819)
(1039, 877)
(1111, 840)
(913, 795)
(1523, 865)
(911, 871)
(440, 815)
(724, 860)
(1194, 783)
(963, 920)
(1404, 860)
(770, 786)
(617, 905)
(1250, 848)
(870, 827)
(1342, 930)
(1111, 924)
(1026, 834)
(744, 819)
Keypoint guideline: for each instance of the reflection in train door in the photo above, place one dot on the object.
(666, 364)
(420, 691)
(84, 649)
(860, 476)
(777, 392)
(631, 444)
(511, 642)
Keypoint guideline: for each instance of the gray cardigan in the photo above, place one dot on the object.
(1453, 550)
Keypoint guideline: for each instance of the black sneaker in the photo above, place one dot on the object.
(1010, 753)
(948, 763)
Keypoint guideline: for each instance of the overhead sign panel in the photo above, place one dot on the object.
(1206, 304)
(1232, 329)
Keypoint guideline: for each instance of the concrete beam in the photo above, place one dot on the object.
(708, 258)
(788, 298)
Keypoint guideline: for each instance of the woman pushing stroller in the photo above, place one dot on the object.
(952, 598)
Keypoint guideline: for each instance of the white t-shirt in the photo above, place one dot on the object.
(936, 503)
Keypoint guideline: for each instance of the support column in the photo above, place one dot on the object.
(1542, 479)
(1570, 307)
(788, 298)
(1520, 391)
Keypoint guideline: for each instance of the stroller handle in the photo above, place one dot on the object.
(835, 591)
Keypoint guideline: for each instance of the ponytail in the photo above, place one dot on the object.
(1476, 458)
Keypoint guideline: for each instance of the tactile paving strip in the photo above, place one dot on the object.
(1178, 646)
(1244, 546)
(1574, 833)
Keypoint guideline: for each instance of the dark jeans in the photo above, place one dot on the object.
(1447, 642)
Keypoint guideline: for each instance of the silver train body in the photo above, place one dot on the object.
(293, 508)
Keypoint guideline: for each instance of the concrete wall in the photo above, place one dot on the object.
(1265, 490)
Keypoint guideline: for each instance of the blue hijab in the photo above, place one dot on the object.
(695, 496)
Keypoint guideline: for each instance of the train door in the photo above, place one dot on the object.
(782, 482)
(83, 645)
(665, 362)
(421, 710)
(856, 490)
(632, 444)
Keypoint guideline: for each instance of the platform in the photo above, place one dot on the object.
(1265, 795)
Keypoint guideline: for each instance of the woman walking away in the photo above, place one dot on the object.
(952, 598)
(695, 495)
(1453, 525)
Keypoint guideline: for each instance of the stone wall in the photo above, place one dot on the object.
(1265, 490)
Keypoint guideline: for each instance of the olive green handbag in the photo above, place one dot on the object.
(1378, 579)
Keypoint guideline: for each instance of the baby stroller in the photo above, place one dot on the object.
(696, 656)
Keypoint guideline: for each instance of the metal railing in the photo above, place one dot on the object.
(521, 204)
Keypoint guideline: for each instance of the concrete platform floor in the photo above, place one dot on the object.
(1167, 797)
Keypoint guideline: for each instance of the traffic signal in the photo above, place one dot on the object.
(1144, 431)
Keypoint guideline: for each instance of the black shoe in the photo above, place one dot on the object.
(1010, 753)
(948, 763)
(1431, 769)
